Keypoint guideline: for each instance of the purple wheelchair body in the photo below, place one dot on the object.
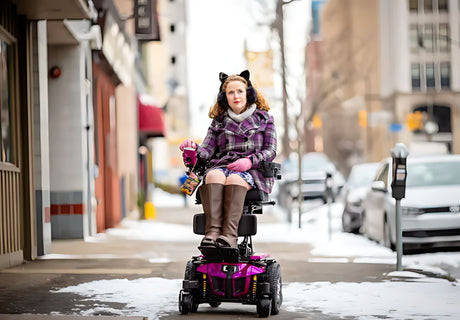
(235, 274)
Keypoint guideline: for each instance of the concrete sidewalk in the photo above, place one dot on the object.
(27, 291)
(63, 317)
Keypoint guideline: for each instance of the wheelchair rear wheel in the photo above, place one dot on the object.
(274, 274)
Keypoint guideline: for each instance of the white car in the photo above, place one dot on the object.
(315, 169)
(431, 207)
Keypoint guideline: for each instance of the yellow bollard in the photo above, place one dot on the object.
(150, 212)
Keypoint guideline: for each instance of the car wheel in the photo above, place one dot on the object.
(387, 235)
(346, 222)
(362, 230)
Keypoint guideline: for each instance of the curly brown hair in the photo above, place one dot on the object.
(217, 110)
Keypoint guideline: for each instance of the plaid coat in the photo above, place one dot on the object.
(228, 141)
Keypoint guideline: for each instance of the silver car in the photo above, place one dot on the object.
(353, 192)
(431, 207)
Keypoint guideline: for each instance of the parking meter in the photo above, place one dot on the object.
(398, 185)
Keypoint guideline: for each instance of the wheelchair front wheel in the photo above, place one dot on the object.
(264, 307)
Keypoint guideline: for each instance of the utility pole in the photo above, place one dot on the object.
(278, 24)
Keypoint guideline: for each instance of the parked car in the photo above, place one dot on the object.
(430, 211)
(315, 168)
(353, 193)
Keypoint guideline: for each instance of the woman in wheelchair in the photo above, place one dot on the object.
(240, 138)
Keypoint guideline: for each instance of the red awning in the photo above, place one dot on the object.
(151, 118)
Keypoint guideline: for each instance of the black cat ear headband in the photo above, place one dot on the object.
(244, 74)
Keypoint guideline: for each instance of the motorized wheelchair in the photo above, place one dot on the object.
(235, 274)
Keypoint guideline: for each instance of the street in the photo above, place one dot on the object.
(86, 278)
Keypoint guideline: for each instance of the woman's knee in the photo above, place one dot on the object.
(238, 180)
(215, 176)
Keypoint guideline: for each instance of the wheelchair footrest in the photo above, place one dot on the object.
(229, 254)
(210, 253)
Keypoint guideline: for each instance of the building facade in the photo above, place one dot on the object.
(26, 164)
(389, 72)
(70, 78)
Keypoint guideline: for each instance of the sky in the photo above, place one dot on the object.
(402, 295)
(218, 32)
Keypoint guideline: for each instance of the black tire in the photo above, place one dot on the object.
(345, 226)
(362, 230)
(387, 235)
(276, 287)
(190, 274)
(185, 303)
(214, 304)
(264, 307)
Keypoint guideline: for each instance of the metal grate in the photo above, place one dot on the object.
(10, 231)
(8, 17)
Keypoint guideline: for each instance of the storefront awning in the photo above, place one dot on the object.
(151, 119)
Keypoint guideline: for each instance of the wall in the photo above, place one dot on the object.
(41, 137)
(67, 152)
(127, 139)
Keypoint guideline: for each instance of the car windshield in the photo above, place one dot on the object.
(311, 162)
(362, 175)
(433, 174)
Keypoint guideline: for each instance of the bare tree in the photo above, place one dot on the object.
(278, 25)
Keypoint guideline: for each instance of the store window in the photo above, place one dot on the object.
(6, 146)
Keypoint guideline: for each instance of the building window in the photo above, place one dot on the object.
(428, 6)
(442, 6)
(430, 75)
(413, 5)
(414, 38)
(415, 74)
(172, 27)
(6, 146)
(443, 40)
(428, 43)
(173, 59)
(445, 75)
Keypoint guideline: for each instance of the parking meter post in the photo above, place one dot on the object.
(300, 199)
(329, 200)
(398, 186)
(399, 246)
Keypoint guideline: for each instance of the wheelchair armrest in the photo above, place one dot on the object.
(270, 170)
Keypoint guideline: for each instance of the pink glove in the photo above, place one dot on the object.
(240, 165)
(188, 147)
(189, 143)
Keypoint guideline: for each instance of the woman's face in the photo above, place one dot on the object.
(236, 96)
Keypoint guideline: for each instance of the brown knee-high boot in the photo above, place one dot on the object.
(234, 196)
(212, 201)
